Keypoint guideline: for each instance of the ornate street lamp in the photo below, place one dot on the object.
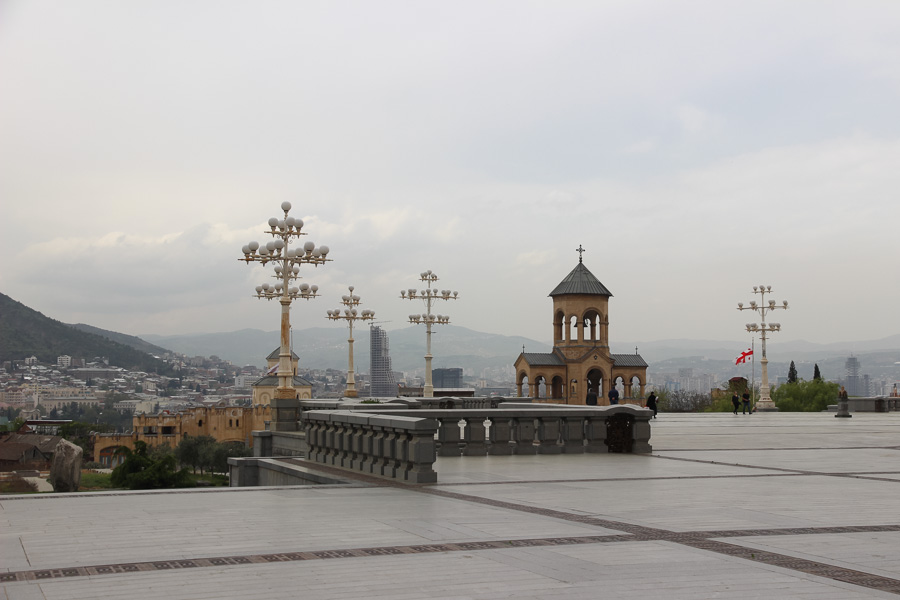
(351, 314)
(428, 296)
(765, 402)
(286, 261)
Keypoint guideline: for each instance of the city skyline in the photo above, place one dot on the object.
(693, 150)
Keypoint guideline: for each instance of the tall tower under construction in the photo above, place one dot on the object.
(382, 384)
(854, 385)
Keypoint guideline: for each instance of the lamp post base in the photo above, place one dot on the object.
(765, 405)
(285, 412)
(843, 410)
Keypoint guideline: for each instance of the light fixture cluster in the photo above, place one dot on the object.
(286, 260)
(350, 312)
(762, 307)
(428, 295)
(755, 328)
(412, 293)
(442, 319)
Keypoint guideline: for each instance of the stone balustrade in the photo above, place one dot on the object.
(870, 404)
(398, 447)
(536, 429)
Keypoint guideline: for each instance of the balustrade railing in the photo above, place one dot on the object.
(537, 430)
(398, 447)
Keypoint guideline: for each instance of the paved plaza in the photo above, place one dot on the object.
(762, 506)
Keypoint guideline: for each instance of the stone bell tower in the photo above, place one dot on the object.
(580, 359)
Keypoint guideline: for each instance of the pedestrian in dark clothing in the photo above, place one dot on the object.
(613, 396)
(736, 402)
(591, 397)
(651, 403)
(746, 400)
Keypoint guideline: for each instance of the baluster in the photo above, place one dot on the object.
(525, 431)
(573, 434)
(449, 437)
(596, 434)
(502, 443)
(548, 435)
(475, 437)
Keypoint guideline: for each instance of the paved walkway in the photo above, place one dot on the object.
(768, 505)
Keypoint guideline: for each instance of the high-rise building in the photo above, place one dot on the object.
(854, 385)
(383, 384)
(447, 378)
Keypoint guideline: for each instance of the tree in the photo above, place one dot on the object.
(141, 472)
(682, 401)
(792, 373)
(805, 396)
(816, 373)
(189, 450)
(81, 434)
(205, 453)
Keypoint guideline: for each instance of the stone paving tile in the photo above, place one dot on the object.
(710, 503)
(875, 552)
(857, 460)
(621, 570)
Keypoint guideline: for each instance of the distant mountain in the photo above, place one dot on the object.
(25, 332)
(321, 347)
(880, 359)
(778, 350)
(453, 346)
(123, 338)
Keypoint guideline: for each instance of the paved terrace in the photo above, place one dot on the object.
(768, 505)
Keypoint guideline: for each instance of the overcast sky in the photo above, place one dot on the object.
(695, 149)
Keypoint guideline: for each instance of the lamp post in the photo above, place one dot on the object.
(286, 261)
(429, 296)
(765, 402)
(350, 314)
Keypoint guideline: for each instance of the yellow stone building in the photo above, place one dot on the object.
(580, 359)
(224, 423)
(264, 387)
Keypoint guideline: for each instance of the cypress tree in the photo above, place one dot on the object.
(792, 373)
(816, 373)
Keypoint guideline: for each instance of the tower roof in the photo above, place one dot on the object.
(276, 354)
(580, 281)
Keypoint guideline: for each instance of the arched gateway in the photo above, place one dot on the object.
(580, 358)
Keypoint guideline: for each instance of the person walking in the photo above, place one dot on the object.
(735, 402)
(651, 403)
(745, 399)
(591, 397)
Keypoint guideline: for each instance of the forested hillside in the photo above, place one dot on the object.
(26, 332)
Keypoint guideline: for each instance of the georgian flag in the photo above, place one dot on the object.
(743, 357)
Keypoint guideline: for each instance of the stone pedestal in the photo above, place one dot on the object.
(843, 409)
(285, 414)
(765, 405)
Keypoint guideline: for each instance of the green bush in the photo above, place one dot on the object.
(805, 396)
(723, 404)
(141, 472)
(205, 453)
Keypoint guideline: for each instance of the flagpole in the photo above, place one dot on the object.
(752, 372)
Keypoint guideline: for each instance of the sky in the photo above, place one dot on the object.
(694, 149)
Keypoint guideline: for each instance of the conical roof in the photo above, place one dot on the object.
(580, 281)
(276, 354)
